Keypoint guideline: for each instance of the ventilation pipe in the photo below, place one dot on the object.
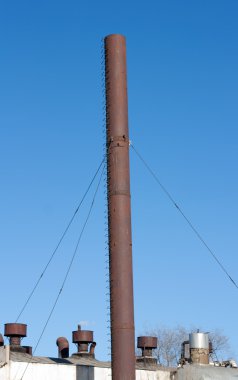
(16, 332)
(147, 344)
(119, 210)
(84, 338)
(63, 347)
(199, 348)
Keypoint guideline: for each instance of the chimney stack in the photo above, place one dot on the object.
(147, 344)
(82, 338)
(119, 210)
(16, 332)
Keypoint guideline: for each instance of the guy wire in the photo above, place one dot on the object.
(59, 242)
(68, 270)
(184, 216)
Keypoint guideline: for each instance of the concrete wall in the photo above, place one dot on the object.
(206, 372)
(105, 374)
(152, 375)
(39, 371)
(51, 369)
(4, 373)
(4, 363)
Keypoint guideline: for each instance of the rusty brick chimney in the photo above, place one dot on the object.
(119, 210)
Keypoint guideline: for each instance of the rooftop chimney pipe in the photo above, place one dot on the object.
(83, 338)
(119, 210)
(147, 344)
(63, 347)
(15, 332)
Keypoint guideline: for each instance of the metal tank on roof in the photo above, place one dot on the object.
(199, 348)
(199, 340)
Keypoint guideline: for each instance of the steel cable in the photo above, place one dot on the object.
(67, 272)
(184, 216)
(60, 241)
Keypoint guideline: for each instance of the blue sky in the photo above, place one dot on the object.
(182, 82)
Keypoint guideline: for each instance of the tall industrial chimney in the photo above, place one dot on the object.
(119, 211)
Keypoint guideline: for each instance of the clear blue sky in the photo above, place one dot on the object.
(183, 93)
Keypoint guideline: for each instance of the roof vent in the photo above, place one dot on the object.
(147, 344)
(16, 332)
(82, 338)
(63, 347)
(1, 340)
